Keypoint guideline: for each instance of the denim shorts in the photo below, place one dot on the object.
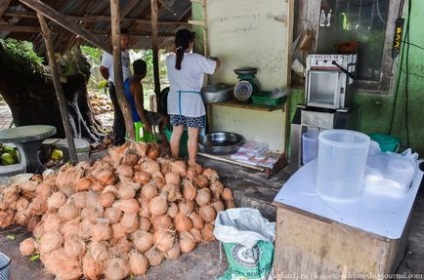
(177, 120)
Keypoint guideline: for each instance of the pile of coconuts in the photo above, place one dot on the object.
(114, 218)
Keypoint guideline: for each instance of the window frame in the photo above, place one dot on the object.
(310, 10)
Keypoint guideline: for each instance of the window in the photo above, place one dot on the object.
(370, 23)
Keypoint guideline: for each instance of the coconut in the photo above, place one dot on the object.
(164, 239)
(62, 266)
(174, 252)
(50, 241)
(99, 251)
(116, 268)
(91, 269)
(27, 247)
(138, 263)
(187, 242)
(145, 224)
(74, 246)
(154, 256)
(113, 214)
(142, 240)
(130, 222)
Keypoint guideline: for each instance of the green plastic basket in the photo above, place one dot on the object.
(266, 100)
(141, 134)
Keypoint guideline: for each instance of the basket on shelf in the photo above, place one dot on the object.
(266, 98)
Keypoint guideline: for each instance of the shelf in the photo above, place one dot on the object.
(269, 171)
(250, 106)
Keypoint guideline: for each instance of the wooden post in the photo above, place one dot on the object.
(117, 68)
(154, 18)
(63, 106)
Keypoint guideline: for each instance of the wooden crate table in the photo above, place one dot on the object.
(319, 238)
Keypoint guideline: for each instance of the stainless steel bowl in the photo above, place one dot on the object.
(216, 93)
(220, 143)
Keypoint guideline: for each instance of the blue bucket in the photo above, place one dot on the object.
(4, 267)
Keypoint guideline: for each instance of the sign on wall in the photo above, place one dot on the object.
(250, 33)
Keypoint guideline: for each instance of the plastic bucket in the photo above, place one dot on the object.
(4, 267)
(386, 142)
(183, 140)
(309, 146)
(342, 156)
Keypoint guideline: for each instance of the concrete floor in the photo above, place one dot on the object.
(251, 189)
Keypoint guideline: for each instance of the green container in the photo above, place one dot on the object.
(183, 140)
(141, 134)
(386, 142)
(265, 99)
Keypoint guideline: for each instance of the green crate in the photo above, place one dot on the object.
(265, 100)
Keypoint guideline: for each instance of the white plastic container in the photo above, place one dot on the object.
(342, 156)
(309, 146)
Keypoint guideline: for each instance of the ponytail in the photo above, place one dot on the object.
(180, 56)
(183, 38)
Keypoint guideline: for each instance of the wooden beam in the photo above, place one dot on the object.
(133, 34)
(63, 105)
(117, 68)
(154, 18)
(58, 18)
(96, 18)
(197, 22)
(4, 6)
(36, 29)
(18, 28)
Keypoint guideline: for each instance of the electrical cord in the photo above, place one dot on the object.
(407, 74)
(405, 52)
(412, 44)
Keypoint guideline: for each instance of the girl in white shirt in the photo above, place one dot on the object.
(185, 106)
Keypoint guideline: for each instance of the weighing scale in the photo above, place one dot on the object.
(248, 84)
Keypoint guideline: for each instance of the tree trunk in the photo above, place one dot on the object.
(32, 100)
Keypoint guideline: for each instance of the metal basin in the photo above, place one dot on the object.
(216, 93)
(220, 143)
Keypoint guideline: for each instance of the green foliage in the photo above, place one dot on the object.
(73, 62)
(94, 55)
(22, 49)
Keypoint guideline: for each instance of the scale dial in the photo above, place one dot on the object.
(243, 91)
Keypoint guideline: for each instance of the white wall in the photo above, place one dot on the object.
(250, 33)
(261, 126)
(245, 33)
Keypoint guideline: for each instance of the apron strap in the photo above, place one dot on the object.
(179, 97)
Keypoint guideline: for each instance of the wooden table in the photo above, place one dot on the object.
(318, 238)
(28, 140)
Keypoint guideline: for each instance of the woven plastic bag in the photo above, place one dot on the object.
(248, 239)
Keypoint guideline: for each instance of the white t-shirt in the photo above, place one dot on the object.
(107, 62)
(188, 79)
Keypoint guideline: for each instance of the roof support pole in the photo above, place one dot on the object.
(117, 67)
(154, 18)
(63, 106)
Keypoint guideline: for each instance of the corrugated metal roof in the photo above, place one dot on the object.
(21, 22)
